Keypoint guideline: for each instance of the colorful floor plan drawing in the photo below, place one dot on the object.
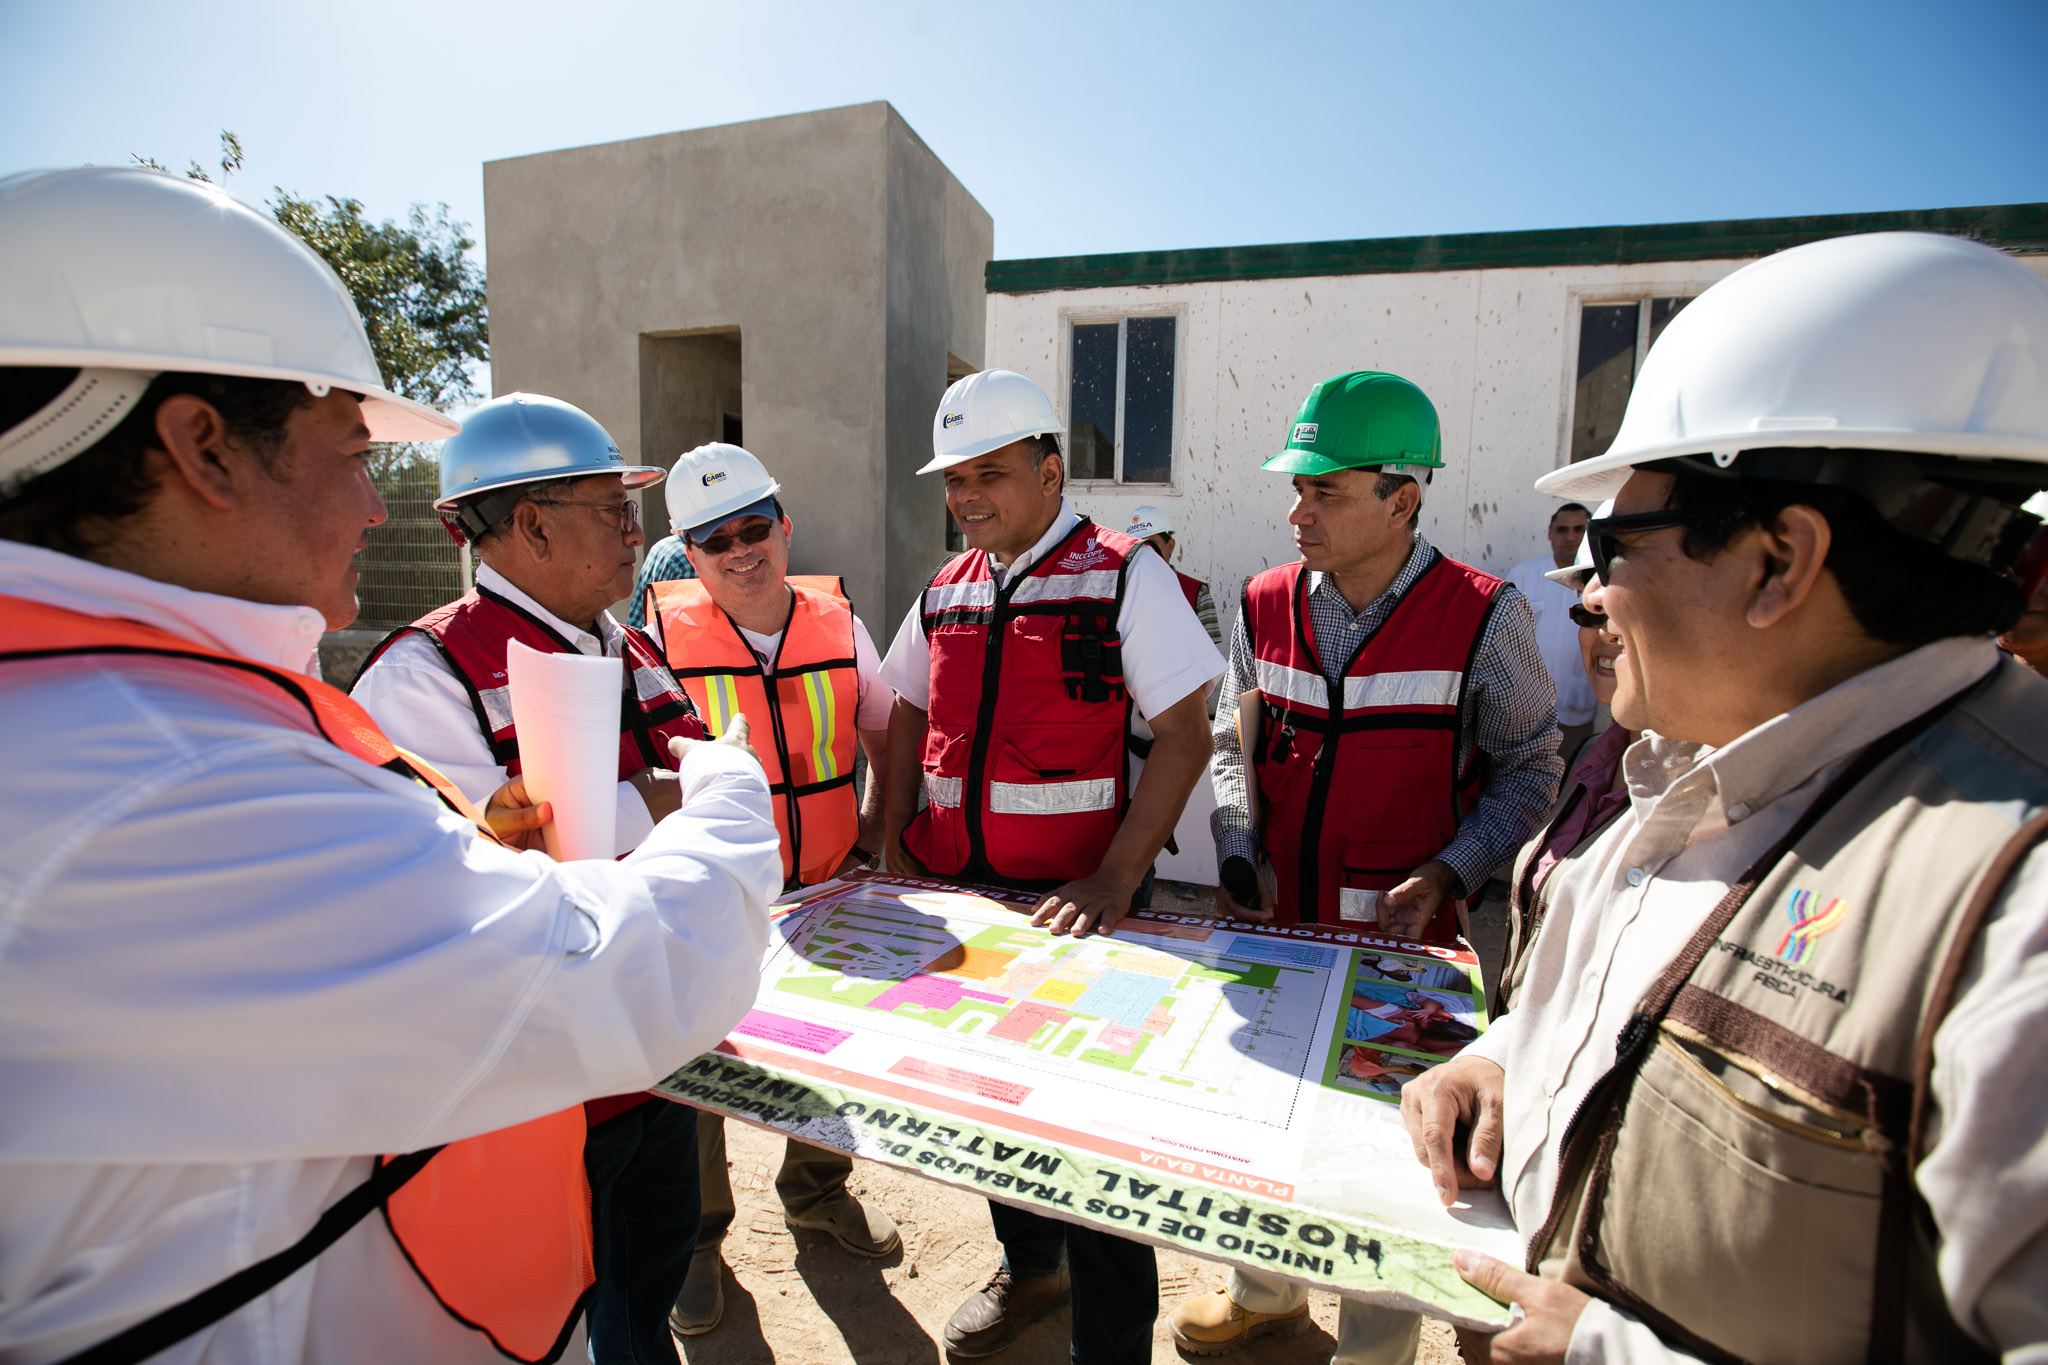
(1225, 1023)
(1226, 1088)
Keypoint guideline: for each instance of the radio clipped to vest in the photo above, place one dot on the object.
(1092, 659)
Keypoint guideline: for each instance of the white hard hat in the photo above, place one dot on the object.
(715, 483)
(1575, 574)
(987, 411)
(1898, 341)
(522, 439)
(1147, 522)
(127, 273)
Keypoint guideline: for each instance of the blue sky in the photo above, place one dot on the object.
(1089, 127)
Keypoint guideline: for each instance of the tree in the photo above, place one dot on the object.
(420, 295)
(422, 302)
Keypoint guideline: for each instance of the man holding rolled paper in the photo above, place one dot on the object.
(264, 975)
(1385, 738)
(545, 499)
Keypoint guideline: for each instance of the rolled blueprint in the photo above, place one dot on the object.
(565, 708)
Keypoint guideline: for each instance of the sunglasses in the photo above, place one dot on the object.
(751, 534)
(1589, 620)
(1602, 532)
(625, 515)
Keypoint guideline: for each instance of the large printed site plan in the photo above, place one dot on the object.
(1229, 1089)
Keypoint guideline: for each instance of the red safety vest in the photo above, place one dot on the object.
(497, 1226)
(472, 634)
(1190, 588)
(1361, 783)
(805, 734)
(1024, 754)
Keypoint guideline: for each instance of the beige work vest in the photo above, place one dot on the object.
(1742, 1179)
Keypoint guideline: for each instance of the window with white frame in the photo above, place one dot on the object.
(1120, 399)
(1613, 339)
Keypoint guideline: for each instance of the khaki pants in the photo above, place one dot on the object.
(809, 1177)
(1366, 1334)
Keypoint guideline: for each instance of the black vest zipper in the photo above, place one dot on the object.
(985, 713)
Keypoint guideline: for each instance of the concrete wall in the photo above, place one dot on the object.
(840, 250)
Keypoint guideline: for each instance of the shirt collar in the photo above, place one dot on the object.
(284, 637)
(1419, 558)
(610, 635)
(1788, 750)
(1063, 524)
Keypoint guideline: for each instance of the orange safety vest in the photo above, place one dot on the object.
(498, 1225)
(809, 725)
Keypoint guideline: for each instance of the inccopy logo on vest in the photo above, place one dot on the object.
(1087, 557)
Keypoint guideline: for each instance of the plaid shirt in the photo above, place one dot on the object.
(665, 560)
(1508, 711)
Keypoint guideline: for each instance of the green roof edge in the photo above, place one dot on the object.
(2015, 227)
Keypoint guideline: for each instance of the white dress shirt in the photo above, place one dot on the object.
(873, 699)
(417, 700)
(1697, 818)
(235, 962)
(1167, 655)
(1557, 637)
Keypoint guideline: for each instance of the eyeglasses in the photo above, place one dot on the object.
(751, 534)
(1602, 532)
(1590, 620)
(626, 514)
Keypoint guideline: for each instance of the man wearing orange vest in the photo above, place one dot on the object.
(747, 637)
(1032, 676)
(540, 491)
(250, 944)
(1406, 745)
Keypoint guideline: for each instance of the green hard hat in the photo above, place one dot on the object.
(1367, 419)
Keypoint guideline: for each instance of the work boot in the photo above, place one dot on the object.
(1214, 1324)
(702, 1302)
(995, 1317)
(862, 1231)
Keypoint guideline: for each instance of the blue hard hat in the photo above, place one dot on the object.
(525, 438)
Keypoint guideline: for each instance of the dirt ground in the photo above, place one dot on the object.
(799, 1299)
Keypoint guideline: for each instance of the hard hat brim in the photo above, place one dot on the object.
(1564, 577)
(763, 506)
(390, 416)
(981, 448)
(1294, 460)
(1603, 475)
(637, 476)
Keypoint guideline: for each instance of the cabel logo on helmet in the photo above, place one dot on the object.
(953, 419)
(1304, 434)
(715, 476)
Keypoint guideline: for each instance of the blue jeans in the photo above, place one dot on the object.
(642, 1166)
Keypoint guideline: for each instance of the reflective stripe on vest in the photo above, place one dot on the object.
(1362, 783)
(497, 1226)
(473, 633)
(1024, 753)
(805, 735)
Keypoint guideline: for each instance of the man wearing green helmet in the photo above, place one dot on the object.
(1406, 742)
